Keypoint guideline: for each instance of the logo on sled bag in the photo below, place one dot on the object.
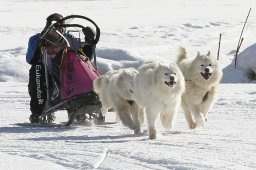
(38, 85)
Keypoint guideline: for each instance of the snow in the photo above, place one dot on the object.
(132, 32)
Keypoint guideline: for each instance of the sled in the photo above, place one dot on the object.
(69, 86)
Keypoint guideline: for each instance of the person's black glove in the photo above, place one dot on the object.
(89, 35)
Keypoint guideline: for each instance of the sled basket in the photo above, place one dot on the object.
(52, 35)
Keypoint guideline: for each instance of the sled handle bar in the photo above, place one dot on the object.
(97, 37)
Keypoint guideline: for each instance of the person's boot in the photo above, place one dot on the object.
(34, 118)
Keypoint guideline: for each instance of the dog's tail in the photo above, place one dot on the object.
(182, 54)
(97, 83)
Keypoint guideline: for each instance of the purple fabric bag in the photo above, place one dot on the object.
(77, 75)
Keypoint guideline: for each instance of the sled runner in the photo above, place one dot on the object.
(63, 125)
(43, 125)
(69, 81)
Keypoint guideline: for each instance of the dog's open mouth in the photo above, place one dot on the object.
(206, 76)
(170, 83)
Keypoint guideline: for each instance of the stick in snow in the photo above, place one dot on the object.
(240, 38)
(218, 54)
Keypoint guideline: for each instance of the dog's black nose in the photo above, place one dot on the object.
(207, 70)
(172, 78)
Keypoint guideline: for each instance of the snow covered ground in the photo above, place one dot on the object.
(134, 31)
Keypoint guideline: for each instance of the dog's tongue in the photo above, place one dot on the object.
(206, 76)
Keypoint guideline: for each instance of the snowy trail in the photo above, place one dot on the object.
(130, 35)
(225, 138)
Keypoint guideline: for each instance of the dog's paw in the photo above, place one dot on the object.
(200, 120)
(152, 133)
(152, 136)
(131, 126)
(137, 131)
(192, 125)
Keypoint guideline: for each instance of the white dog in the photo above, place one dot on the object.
(115, 89)
(158, 89)
(202, 76)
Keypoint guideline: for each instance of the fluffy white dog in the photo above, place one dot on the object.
(158, 88)
(202, 76)
(115, 89)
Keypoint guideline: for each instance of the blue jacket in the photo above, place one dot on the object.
(32, 47)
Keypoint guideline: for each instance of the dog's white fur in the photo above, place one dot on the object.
(115, 89)
(158, 89)
(202, 76)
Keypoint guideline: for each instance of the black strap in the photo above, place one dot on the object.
(130, 102)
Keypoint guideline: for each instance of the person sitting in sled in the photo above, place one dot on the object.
(37, 82)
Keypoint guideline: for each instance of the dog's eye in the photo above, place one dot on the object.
(210, 64)
(174, 73)
(202, 65)
(166, 74)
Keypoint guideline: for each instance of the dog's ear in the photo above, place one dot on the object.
(198, 54)
(209, 53)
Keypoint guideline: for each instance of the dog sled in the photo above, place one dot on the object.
(69, 86)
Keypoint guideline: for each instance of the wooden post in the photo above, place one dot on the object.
(218, 54)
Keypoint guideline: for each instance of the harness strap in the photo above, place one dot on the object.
(205, 96)
(130, 102)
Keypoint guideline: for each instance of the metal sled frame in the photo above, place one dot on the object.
(76, 103)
